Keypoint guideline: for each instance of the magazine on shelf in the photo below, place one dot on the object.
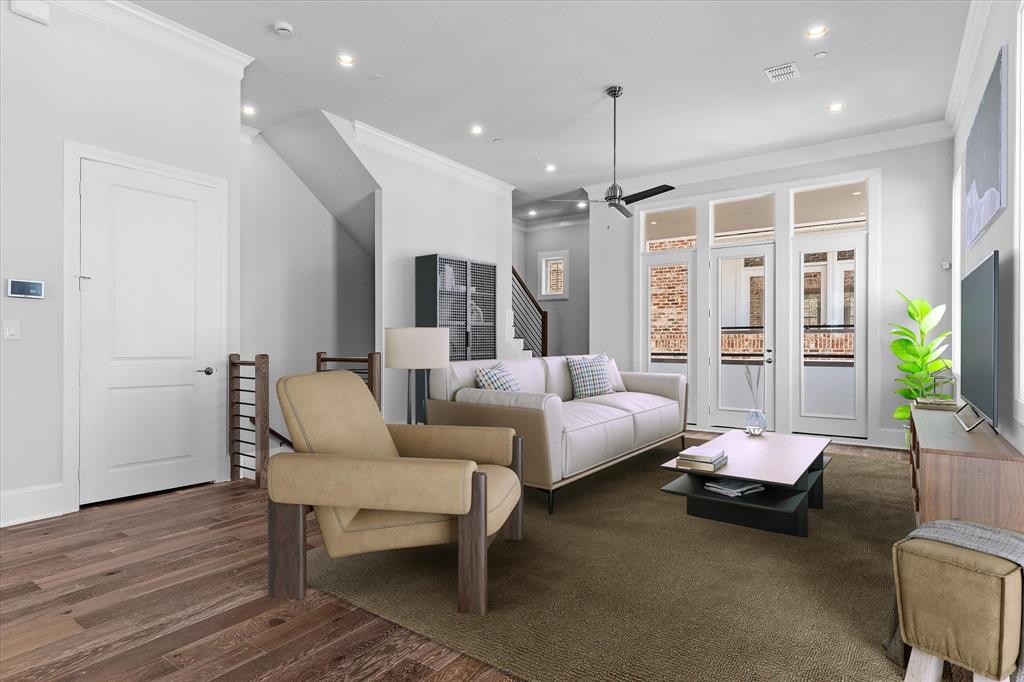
(732, 487)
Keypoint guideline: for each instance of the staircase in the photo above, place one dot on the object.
(529, 320)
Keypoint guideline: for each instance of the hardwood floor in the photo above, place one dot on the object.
(172, 587)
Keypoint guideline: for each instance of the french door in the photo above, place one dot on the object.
(830, 304)
(668, 293)
(742, 334)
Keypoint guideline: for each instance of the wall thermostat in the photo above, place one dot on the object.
(24, 288)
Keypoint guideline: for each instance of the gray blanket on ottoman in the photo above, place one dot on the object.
(999, 542)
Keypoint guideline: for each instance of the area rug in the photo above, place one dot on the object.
(620, 584)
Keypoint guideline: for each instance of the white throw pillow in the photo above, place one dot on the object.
(614, 375)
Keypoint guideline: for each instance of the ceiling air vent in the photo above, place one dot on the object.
(782, 72)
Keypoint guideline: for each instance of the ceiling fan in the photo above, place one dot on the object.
(613, 195)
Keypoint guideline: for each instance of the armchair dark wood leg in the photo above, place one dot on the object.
(286, 550)
(473, 551)
(513, 528)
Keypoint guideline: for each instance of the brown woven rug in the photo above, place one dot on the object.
(620, 584)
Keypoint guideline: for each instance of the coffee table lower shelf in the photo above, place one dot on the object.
(781, 510)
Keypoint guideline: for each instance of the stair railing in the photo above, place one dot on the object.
(528, 318)
(249, 416)
(368, 367)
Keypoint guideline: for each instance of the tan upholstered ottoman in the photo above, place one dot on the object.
(958, 605)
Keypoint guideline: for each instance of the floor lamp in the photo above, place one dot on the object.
(412, 348)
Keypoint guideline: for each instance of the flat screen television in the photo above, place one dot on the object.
(979, 338)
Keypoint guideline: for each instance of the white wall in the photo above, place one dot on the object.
(1001, 29)
(519, 246)
(429, 204)
(307, 284)
(915, 192)
(83, 81)
(568, 321)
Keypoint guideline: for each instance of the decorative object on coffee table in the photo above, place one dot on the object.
(791, 468)
(757, 421)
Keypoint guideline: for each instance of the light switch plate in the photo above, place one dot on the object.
(36, 10)
(12, 330)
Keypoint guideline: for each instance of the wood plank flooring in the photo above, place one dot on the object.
(172, 587)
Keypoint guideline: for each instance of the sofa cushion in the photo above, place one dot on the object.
(556, 377)
(497, 378)
(592, 434)
(445, 383)
(654, 417)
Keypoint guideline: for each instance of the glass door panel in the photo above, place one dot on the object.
(668, 295)
(742, 376)
(831, 371)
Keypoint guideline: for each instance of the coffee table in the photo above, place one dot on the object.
(791, 468)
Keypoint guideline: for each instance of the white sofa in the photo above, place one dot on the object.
(563, 439)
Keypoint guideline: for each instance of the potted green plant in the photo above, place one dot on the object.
(920, 357)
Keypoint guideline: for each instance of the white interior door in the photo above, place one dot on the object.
(743, 334)
(831, 364)
(151, 322)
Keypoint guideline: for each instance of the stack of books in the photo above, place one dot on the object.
(701, 458)
(731, 487)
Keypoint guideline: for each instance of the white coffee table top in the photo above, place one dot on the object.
(779, 458)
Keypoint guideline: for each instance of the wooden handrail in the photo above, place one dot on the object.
(373, 368)
(260, 390)
(536, 304)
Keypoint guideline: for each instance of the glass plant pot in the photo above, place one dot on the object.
(757, 422)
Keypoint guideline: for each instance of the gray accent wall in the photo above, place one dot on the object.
(307, 283)
(569, 320)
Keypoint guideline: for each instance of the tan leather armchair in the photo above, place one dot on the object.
(377, 486)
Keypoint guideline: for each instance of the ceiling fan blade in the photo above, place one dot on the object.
(647, 194)
(622, 209)
(576, 201)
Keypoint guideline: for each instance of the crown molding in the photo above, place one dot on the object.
(407, 151)
(248, 132)
(170, 35)
(911, 136)
(555, 223)
(970, 45)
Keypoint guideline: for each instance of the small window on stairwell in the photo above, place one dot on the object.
(553, 269)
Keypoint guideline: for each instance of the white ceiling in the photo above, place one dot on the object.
(533, 74)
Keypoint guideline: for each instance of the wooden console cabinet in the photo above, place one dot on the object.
(976, 476)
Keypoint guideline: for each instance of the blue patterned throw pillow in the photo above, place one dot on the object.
(589, 376)
(496, 378)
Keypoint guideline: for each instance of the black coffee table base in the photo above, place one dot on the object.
(777, 508)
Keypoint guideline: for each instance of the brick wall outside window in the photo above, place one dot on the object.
(668, 244)
(669, 304)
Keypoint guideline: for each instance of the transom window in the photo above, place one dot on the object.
(675, 228)
(744, 220)
(827, 209)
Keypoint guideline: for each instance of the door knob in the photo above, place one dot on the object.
(768, 360)
(206, 370)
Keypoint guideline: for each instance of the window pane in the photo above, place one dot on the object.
(554, 276)
(828, 360)
(669, 312)
(744, 220)
(741, 333)
(831, 208)
(675, 228)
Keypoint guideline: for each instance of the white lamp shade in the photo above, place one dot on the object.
(416, 347)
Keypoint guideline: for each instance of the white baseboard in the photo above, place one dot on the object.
(33, 503)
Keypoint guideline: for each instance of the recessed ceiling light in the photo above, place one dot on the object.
(820, 55)
(532, 213)
(346, 60)
(654, 222)
(581, 204)
(476, 130)
(862, 212)
(857, 194)
(551, 168)
(249, 110)
(815, 32)
(835, 107)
